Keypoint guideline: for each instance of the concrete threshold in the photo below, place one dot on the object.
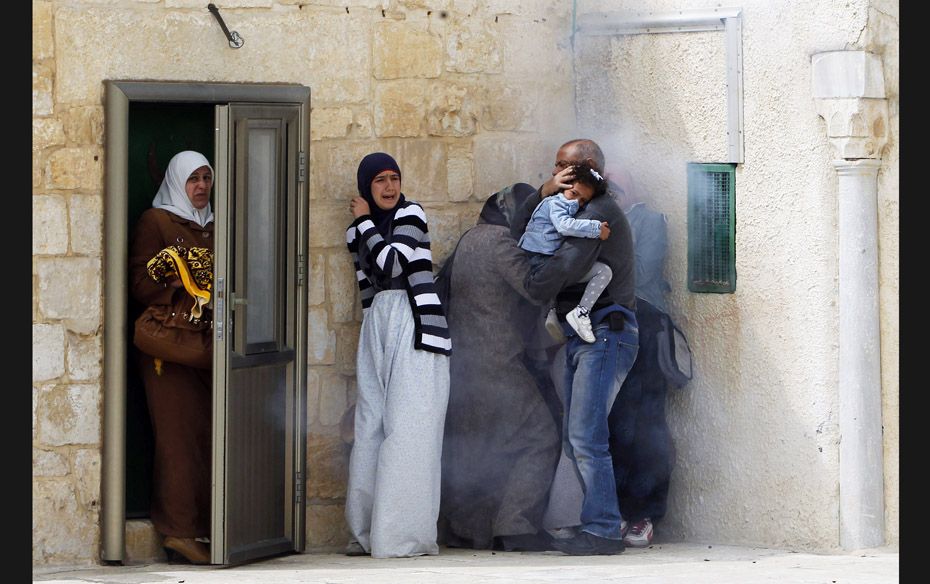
(664, 563)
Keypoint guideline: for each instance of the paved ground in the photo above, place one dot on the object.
(660, 563)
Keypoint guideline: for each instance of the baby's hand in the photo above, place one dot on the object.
(605, 230)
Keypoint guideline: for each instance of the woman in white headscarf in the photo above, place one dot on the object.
(179, 394)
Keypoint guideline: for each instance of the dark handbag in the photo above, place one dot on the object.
(170, 334)
(674, 353)
(442, 281)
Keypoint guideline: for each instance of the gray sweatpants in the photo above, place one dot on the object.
(392, 502)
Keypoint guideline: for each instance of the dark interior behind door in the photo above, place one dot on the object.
(157, 131)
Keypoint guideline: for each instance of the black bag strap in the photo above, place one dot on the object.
(674, 353)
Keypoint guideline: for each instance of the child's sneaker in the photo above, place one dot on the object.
(580, 321)
(554, 328)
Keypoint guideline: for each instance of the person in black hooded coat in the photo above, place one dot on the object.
(501, 440)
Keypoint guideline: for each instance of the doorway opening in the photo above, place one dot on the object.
(256, 137)
(157, 131)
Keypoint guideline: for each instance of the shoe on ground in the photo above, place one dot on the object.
(454, 541)
(640, 533)
(355, 549)
(586, 544)
(580, 321)
(562, 532)
(524, 542)
(193, 551)
(624, 528)
(554, 328)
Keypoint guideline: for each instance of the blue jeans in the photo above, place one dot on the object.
(594, 373)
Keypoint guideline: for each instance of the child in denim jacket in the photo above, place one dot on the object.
(552, 221)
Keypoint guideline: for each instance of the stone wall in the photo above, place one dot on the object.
(469, 96)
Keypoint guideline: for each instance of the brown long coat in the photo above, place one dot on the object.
(156, 230)
(179, 398)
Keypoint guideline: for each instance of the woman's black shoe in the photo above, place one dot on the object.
(355, 549)
(524, 542)
(586, 544)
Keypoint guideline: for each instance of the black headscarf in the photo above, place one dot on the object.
(499, 208)
(370, 167)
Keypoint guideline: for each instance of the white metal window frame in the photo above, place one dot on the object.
(729, 20)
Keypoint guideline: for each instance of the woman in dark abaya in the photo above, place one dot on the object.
(501, 441)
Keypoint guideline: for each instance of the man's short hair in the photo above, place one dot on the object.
(588, 149)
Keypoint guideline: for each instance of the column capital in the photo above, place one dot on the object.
(866, 166)
(849, 90)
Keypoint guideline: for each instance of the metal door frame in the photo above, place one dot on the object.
(118, 95)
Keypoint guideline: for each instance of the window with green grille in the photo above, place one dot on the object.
(711, 227)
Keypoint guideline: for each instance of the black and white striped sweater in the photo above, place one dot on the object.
(407, 254)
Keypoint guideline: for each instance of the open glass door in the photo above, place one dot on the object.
(260, 333)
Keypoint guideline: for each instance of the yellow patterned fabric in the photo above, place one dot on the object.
(194, 265)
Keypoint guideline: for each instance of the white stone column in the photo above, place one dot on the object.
(849, 89)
